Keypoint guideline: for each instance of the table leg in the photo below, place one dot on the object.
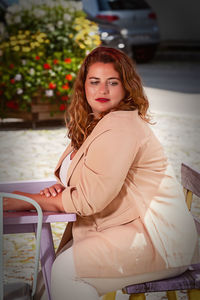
(47, 255)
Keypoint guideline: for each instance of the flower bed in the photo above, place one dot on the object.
(41, 49)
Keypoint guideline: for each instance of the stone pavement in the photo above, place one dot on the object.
(33, 154)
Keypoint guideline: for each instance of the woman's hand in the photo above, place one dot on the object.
(53, 190)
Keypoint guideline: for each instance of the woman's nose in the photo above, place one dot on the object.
(104, 88)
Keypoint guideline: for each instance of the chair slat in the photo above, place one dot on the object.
(190, 179)
(182, 282)
(136, 288)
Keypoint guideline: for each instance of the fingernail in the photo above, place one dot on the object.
(54, 194)
(48, 194)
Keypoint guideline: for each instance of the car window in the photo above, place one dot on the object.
(122, 4)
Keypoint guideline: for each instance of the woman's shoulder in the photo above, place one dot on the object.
(128, 120)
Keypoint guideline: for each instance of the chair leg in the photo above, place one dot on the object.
(109, 296)
(193, 294)
(172, 295)
(139, 296)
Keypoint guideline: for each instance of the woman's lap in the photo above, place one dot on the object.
(105, 285)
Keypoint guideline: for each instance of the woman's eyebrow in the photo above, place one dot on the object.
(110, 78)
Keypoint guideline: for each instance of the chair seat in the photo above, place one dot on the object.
(190, 279)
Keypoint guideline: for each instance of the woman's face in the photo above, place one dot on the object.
(103, 87)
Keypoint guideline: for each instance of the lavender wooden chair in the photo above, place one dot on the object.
(23, 222)
(189, 280)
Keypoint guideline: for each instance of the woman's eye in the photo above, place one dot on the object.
(94, 82)
(113, 83)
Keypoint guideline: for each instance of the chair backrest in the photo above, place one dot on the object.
(38, 237)
(190, 180)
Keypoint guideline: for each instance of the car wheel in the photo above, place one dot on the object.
(143, 54)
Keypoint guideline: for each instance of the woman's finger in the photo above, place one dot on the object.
(58, 188)
(53, 191)
(46, 192)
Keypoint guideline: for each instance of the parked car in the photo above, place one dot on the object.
(112, 35)
(136, 16)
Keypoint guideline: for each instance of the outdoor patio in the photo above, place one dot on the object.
(33, 154)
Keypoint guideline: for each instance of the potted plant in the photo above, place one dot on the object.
(41, 49)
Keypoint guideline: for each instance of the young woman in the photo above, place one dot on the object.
(132, 221)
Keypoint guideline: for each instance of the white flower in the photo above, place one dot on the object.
(67, 17)
(28, 84)
(50, 27)
(26, 5)
(52, 73)
(76, 5)
(38, 13)
(18, 77)
(59, 24)
(9, 18)
(49, 93)
(50, 3)
(15, 8)
(23, 62)
(31, 71)
(19, 91)
(17, 19)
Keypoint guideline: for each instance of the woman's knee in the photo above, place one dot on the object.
(64, 265)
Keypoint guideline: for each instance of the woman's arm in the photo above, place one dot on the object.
(46, 203)
(108, 159)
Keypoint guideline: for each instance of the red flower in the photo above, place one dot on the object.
(52, 85)
(55, 61)
(47, 66)
(68, 77)
(37, 57)
(12, 80)
(12, 104)
(65, 86)
(62, 107)
(64, 98)
(11, 66)
(67, 60)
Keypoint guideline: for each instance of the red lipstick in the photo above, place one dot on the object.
(102, 100)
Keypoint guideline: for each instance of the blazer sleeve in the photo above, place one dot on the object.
(106, 164)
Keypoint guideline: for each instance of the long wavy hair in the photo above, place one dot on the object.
(80, 120)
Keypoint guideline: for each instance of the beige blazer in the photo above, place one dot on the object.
(131, 213)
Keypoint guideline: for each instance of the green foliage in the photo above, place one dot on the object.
(41, 50)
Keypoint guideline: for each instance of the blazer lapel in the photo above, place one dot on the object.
(65, 153)
(73, 164)
(78, 155)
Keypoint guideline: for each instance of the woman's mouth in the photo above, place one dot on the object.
(102, 100)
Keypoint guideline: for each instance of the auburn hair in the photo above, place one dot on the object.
(80, 120)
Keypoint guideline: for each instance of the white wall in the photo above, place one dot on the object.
(178, 19)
